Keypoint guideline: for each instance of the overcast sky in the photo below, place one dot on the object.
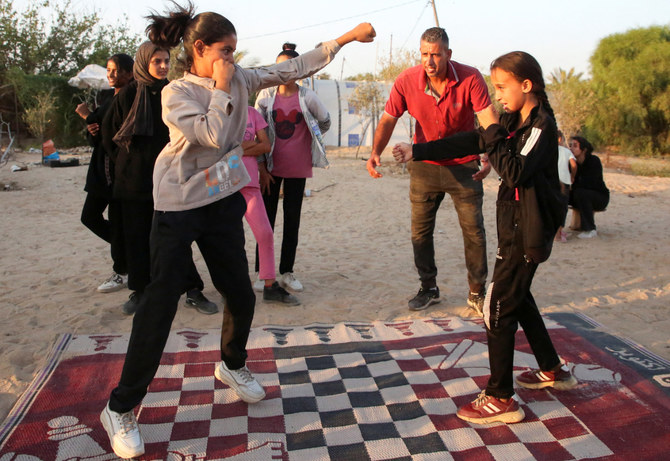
(559, 34)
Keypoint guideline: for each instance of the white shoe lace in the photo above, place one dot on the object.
(244, 374)
(127, 422)
(289, 277)
(481, 398)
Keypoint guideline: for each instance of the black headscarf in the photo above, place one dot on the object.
(139, 120)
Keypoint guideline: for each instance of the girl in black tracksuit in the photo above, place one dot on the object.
(523, 149)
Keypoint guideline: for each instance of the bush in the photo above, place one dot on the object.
(63, 126)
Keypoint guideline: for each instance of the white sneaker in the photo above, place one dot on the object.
(123, 432)
(259, 285)
(588, 234)
(114, 283)
(288, 280)
(242, 382)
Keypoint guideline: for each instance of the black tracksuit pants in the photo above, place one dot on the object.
(217, 230)
(509, 303)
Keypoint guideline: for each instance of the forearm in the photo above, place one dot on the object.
(383, 134)
(455, 146)
(256, 149)
(293, 69)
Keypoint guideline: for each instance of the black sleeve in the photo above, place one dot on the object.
(114, 118)
(455, 146)
(515, 163)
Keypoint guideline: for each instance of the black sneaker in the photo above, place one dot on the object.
(276, 294)
(424, 298)
(476, 301)
(130, 306)
(195, 298)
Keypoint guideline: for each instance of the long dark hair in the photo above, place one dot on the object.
(288, 49)
(583, 144)
(525, 67)
(122, 61)
(183, 25)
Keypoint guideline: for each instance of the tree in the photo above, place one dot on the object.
(366, 77)
(39, 115)
(631, 79)
(572, 100)
(48, 42)
(62, 44)
(391, 67)
(368, 100)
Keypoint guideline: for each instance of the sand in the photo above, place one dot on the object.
(354, 259)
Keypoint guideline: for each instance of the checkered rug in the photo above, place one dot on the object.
(350, 391)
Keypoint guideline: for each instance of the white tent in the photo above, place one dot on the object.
(92, 76)
(349, 129)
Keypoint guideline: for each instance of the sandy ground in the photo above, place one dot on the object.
(354, 259)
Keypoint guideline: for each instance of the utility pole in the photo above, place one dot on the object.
(391, 51)
(437, 22)
(342, 69)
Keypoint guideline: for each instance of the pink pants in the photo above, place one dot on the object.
(257, 218)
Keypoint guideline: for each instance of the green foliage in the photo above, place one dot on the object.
(63, 43)
(492, 94)
(40, 47)
(631, 80)
(392, 67)
(367, 99)
(650, 167)
(38, 116)
(366, 77)
(62, 99)
(572, 99)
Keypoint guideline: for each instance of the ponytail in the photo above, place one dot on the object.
(182, 26)
(288, 49)
(167, 31)
(544, 102)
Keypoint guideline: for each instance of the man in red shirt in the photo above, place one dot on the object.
(444, 97)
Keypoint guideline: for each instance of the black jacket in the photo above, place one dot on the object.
(590, 175)
(99, 176)
(134, 167)
(526, 160)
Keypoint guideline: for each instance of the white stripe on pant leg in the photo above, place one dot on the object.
(486, 308)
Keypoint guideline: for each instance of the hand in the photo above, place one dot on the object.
(483, 171)
(82, 110)
(402, 152)
(372, 163)
(222, 74)
(264, 179)
(93, 128)
(364, 32)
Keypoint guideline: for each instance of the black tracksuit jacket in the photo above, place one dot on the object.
(526, 160)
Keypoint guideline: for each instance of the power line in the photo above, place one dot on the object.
(415, 24)
(330, 22)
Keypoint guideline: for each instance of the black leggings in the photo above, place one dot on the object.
(294, 190)
(110, 230)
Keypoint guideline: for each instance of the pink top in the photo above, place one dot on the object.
(292, 154)
(465, 94)
(255, 122)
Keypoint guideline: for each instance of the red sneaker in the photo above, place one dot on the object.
(487, 409)
(560, 379)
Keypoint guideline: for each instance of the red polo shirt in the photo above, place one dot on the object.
(465, 94)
